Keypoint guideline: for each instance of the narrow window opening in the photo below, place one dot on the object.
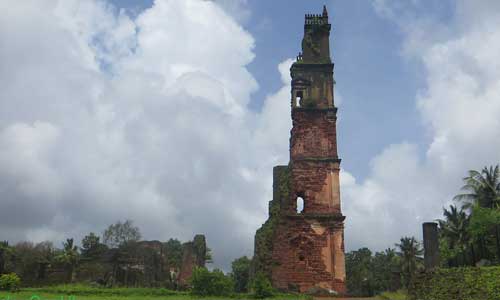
(300, 205)
(298, 97)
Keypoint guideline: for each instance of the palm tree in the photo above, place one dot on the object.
(483, 189)
(411, 258)
(69, 257)
(455, 229)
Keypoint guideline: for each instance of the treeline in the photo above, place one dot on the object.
(469, 235)
(30, 261)
(470, 230)
(370, 274)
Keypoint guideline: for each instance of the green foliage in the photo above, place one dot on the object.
(91, 246)
(10, 282)
(455, 238)
(174, 250)
(28, 258)
(121, 233)
(458, 284)
(69, 257)
(483, 220)
(6, 256)
(369, 274)
(86, 292)
(410, 252)
(482, 197)
(398, 295)
(240, 273)
(215, 283)
(261, 286)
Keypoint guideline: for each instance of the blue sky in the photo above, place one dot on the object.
(174, 114)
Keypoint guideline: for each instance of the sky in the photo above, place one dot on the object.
(172, 113)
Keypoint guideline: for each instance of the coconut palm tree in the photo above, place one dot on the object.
(483, 189)
(455, 229)
(69, 257)
(410, 251)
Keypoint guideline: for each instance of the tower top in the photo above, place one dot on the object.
(316, 43)
(317, 19)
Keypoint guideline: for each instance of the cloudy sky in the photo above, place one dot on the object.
(172, 113)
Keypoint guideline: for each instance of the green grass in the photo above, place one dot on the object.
(84, 292)
(399, 295)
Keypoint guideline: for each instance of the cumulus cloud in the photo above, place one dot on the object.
(459, 106)
(105, 117)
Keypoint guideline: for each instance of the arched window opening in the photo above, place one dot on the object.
(300, 205)
(298, 97)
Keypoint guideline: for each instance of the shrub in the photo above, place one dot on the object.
(262, 286)
(240, 273)
(215, 283)
(10, 282)
(458, 284)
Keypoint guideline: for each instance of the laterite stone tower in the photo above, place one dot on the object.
(301, 246)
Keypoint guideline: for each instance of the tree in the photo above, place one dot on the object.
(455, 229)
(69, 257)
(261, 286)
(119, 234)
(174, 251)
(411, 260)
(384, 266)
(6, 253)
(215, 283)
(359, 272)
(241, 272)
(482, 189)
(91, 246)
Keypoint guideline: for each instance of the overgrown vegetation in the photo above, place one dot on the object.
(240, 272)
(389, 270)
(10, 282)
(467, 283)
(211, 283)
(262, 260)
(471, 233)
(261, 287)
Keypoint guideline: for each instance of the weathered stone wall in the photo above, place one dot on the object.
(305, 252)
(313, 134)
(264, 237)
(193, 255)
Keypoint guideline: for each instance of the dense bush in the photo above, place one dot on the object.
(215, 283)
(458, 284)
(10, 282)
(240, 271)
(261, 286)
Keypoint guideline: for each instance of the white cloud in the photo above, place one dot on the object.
(460, 106)
(104, 117)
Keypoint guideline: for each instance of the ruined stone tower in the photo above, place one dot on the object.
(301, 246)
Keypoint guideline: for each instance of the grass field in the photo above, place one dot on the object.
(82, 292)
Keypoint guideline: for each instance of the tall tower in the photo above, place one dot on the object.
(301, 246)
